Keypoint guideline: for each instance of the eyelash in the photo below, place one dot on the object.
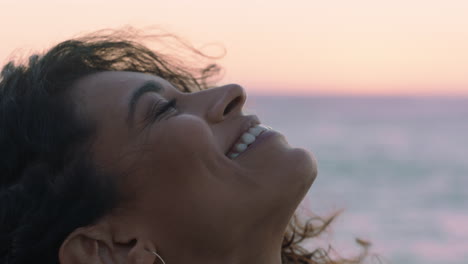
(159, 109)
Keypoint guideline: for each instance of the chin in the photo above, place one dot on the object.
(303, 170)
(301, 164)
(294, 181)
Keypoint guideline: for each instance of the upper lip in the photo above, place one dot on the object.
(248, 122)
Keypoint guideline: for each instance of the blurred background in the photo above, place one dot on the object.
(377, 90)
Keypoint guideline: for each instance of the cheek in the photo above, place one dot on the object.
(178, 147)
(184, 135)
(174, 166)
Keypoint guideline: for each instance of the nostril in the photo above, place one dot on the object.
(232, 105)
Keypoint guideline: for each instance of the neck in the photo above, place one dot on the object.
(246, 252)
(259, 246)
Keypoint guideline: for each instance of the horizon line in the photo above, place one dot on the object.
(360, 95)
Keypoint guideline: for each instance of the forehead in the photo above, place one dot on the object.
(104, 97)
(105, 92)
(112, 85)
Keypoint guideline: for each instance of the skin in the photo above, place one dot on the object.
(182, 196)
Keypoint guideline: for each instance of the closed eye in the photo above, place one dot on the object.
(161, 108)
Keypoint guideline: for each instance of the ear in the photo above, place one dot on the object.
(95, 245)
(86, 245)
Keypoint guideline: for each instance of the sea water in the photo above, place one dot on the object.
(398, 166)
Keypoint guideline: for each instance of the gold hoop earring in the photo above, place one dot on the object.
(158, 256)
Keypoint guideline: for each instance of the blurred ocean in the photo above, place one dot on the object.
(398, 166)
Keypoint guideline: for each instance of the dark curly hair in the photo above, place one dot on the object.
(48, 183)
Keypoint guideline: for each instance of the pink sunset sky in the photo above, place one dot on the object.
(398, 47)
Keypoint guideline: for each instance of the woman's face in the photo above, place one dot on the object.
(172, 167)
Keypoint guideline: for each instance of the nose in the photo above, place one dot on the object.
(222, 102)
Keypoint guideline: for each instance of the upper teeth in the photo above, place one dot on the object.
(246, 139)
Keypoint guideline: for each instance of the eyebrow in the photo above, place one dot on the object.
(148, 86)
